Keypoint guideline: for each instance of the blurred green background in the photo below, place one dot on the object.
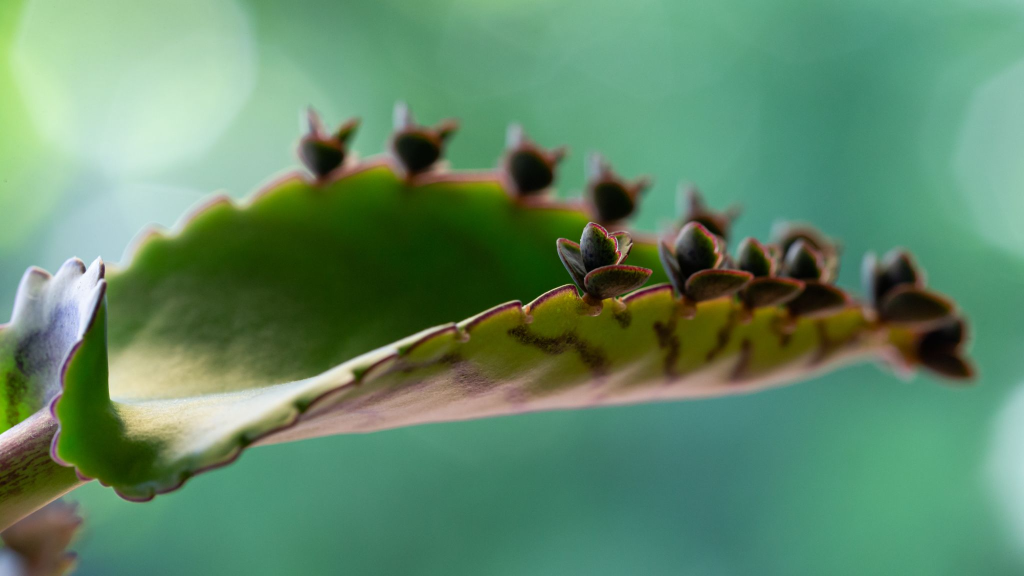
(887, 122)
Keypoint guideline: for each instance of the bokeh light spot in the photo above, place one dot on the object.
(989, 170)
(133, 87)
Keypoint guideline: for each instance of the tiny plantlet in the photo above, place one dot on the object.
(388, 292)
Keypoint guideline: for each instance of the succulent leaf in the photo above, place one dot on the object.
(232, 331)
(615, 280)
(530, 169)
(908, 304)
(755, 258)
(816, 300)
(696, 249)
(765, 291)
(803, 261)
(696, 210)
(599, 248)
(711, 284)
(612, 198)
(418, 148)
(572, 258)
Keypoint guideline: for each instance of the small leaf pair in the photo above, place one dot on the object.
(813, 260)
(695, 265)
(611, 198)
(766, 288)
(417, 148)
(939, 350)
(690, 203)
(895, 288)
(596, 263)
(529, 169)
(323, 153)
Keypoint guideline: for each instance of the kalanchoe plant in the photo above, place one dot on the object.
(805, 261)
(695, 266)
(693, 208)
(529, 170)
(895, 289)
(611, 198)
(418, 148)
(766, 288)
(321, 152)
(595, 264)
(941, 350)
(256, 323)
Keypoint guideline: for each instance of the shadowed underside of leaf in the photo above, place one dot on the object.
(289, 317)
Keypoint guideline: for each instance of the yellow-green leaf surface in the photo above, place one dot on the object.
(289, 316)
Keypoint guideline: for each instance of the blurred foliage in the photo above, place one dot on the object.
(886, 122)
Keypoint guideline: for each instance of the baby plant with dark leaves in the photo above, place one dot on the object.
(696, 266)
(610, 197)
(324, 152)
(528, 169)
(417, 148)
(596, 264)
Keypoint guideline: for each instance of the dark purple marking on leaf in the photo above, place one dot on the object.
(724, 334)
(739, 372)
(668, 340)
(591, 355)
(624, 318)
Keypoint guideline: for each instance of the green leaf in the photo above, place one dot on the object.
(615, 280)
(51, 317)
(259, 323)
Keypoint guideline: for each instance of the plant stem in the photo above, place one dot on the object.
(29, 477)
